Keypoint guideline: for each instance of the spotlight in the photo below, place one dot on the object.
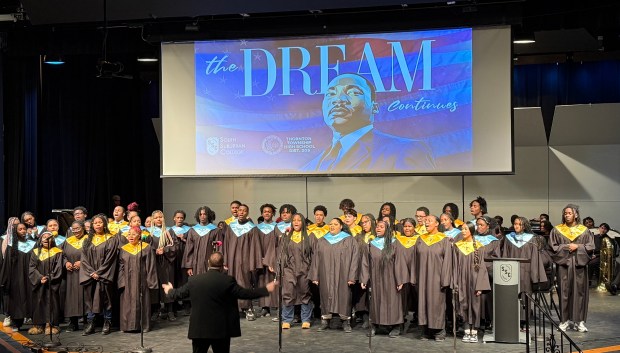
(53, 60)
(148, 59)
(524, 38)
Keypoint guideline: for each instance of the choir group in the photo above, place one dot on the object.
(355, 268)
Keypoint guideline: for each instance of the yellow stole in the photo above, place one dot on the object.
(420, 229)
(571, 233)
(229, 220)
(368, 237)
(296, 237)
(319, 232)
(46, 254)
(458, 223)
(75, 242)
(406, 241)
(356, 230)
(467, 247)
(430, 239)
(134, 249)
(100, 239)
(114, 227)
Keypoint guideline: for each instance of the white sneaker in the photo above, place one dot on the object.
(564, 326)
(473, 338)
(581, 327)
(466, 338)
(7, 322)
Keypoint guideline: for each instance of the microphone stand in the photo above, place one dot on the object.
(369, 295)
(141, 349)
(51, 343)
(283, 244)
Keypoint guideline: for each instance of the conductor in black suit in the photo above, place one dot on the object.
(215, 312)
(349, 107)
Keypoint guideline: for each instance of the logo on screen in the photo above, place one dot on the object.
(213, 145)
(272, 144)
(505, 272)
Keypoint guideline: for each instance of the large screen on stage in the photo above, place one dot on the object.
(420, 102)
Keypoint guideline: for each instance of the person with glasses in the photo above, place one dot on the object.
(74, 298)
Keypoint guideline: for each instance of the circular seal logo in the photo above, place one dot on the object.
(272, 144)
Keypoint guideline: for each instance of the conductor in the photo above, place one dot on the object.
(215, 312)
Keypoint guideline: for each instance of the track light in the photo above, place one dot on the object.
(524, 38)
(53, 59)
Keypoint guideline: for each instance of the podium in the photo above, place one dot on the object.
(506, 306)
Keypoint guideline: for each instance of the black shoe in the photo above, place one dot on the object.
(395, 332)
(106, 327)
(265, 312)
(172, 317)
(324, 325)
(89, 329)
(440, 336)
(366, 322)
(346, 326)
(612, 288)
(163, 316)
(72, 327)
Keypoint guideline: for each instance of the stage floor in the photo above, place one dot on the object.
(261, 336)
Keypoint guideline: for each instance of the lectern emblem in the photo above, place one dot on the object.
(505, 272)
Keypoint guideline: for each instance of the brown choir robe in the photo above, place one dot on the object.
(432, 275)
(16, 281)
(360, 296)
(335, 262)
(165, 263)
(295, 267)
(180, 234)
(99, 257)
(242, 254)
(136, 266)
(269, 236)
(74, 299)
(492, 250)
(405, 259)
(385, 301)
(199, 246)
(572, 273)
(44, 262)
(520, 247)
(468, 280)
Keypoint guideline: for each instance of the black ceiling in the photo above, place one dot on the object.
(561, 27)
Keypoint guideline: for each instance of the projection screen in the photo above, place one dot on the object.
(420, 102)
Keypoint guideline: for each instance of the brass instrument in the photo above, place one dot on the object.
(607, 274)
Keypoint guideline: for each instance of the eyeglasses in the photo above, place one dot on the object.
(76, 230)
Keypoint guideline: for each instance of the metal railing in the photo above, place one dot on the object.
(547, 336)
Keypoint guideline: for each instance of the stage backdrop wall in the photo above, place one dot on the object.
(581, 164)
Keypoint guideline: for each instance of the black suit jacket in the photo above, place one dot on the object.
(215, 312)
(380, 152)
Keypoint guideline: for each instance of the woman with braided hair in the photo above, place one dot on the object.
(165, 248)
(471, 279)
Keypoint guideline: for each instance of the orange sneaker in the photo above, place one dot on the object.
(305, 325)
(286, 326)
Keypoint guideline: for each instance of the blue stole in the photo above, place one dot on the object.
(240, 229)
(203, 230)
(25, 246)
(283, 225)
(179, 230)
(519, 240)
(155, 231)
(485, 239)
(452, 233)
(59, 239)
(266, 228)
(334, 239)
(379, 242)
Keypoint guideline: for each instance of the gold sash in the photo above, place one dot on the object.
(296, 237)
(571, 233)
(429, 239)
(46, 254)
(134, 249)
(75, 242)
(406, 241)
(467, 247)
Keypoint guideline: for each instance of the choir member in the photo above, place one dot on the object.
(45, 272)
(136, 275)
(294, 256)
(5, 244)
(165, 246)
(52, 226)
(14, 276)
(572, 243)
(405, 259)
(242, 253)
(351, 220)
(34, 230)
(72, 251)
(200, 240)
(449, 227)
(334, 270)
(520, 244)
(267, 211)
(348, 204)
(359, 293)
(477, 208)
(269, 239)
(234, 207)
(386, 299)
(433, 274)
(420, 216)
(118, 221)
(180, 229)
(97, 273)
(470, 279)
(453, 210)
(319, 228)
(87, 225)
(492, 249)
